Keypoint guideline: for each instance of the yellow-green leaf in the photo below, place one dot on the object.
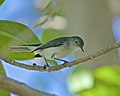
(52, 62)
(1, 1)
(2, 71)
(14, 33)
(4, 93)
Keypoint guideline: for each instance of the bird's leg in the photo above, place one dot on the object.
(45, 61)
(53, 56)
(38, 55)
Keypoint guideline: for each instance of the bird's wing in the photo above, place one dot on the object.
(33, 45)
(53, 43)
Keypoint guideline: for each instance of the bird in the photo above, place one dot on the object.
(55, 49)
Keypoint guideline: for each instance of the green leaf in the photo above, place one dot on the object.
(2, 71)
(109, 74)
(52, 62)
(14, 33)
(4, 93)
(1, 1)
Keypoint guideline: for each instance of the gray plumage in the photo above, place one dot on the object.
(57, 48)
(52, 43)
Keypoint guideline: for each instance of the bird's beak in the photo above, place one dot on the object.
(82, 49)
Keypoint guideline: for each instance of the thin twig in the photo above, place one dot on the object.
(61, 66)
(18, 88)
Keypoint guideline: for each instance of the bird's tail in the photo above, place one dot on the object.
(22, 48)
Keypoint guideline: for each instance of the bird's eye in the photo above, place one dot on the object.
(76, 42)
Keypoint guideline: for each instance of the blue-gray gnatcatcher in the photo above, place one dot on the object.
(54, 49)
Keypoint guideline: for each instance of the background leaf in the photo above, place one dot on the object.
(1, 1)
(107, 82)
(13, 33)
(80, 79)
(50, 34)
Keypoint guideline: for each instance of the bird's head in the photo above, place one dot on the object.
(77, 41)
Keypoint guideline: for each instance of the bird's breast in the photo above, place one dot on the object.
(60, 52)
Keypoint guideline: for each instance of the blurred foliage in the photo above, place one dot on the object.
(106, 83)
(43, 4)
(52, 7)
(2, 71)
(51, 10)
(1, 1)
(13, 33)
(81, 78)
(48, 22)
(50, 34)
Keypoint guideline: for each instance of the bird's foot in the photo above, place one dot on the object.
(46, 66)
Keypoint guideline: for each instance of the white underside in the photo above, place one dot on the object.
(60, 52)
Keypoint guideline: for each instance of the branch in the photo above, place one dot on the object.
(21, 89)
(61, 66)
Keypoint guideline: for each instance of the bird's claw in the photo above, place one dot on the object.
(45, 66)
